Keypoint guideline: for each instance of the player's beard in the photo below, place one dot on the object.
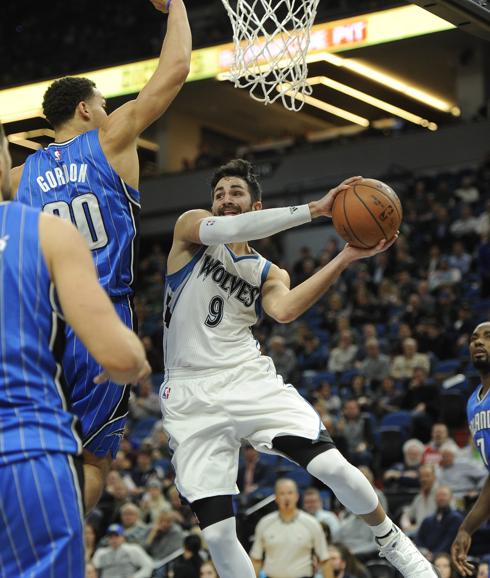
(482, 365)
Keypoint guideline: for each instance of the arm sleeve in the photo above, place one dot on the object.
(251, 226)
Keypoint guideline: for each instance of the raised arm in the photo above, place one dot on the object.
(126, 123)
(285, 305)
(86, 306)
(475, 518)
(199, 227)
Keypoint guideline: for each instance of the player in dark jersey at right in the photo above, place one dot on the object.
(90, 175)
(478, 410)
(41, 512)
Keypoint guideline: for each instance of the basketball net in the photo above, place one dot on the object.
(271, 39)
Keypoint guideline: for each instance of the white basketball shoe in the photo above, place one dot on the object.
(405, 557)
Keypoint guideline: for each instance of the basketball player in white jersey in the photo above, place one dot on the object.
(219, 389)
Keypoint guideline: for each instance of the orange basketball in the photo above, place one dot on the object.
(367, 212)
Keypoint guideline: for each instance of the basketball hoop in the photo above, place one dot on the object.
(271, 39)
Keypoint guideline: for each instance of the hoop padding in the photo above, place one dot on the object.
(271, 39)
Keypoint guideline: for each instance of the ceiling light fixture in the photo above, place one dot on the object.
(373, 101)
(386, 80)
(330, 108)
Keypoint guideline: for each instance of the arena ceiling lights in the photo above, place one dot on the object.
(388, 81)
(373, 101)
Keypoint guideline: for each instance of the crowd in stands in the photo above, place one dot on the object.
(384, 359)
(76, 37)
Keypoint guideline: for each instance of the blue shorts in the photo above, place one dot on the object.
(41, 518)
(102, 409)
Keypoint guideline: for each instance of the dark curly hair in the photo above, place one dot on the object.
(242, 169)
(63, 96)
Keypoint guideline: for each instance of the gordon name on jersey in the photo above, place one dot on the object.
(62, 175)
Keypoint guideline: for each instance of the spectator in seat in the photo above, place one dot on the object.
(357, 430)
(121, 560)
(313, 354)
(253, 473)
(343, 356)
(135, 530)
(165, 537)
(444, 275)
(344, 563)
(208, 570)
(376, 365)
(144, 402)
(424, 503)
(313, 505)
(153, 501)
(482, 570)
(467, 192)
(406, 474)
(283, 357)
(189, 564)
(442, 561)
(439, 436)
(466, 227)
(462, 476)
(459, 258)
(437, 532)
(403, 365)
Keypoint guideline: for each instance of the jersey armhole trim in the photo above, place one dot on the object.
(175, 279)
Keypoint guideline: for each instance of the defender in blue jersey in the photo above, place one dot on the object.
(478, 411)
(41, 476)
(90, 175)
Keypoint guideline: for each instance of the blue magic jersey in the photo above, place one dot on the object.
(34, 416)
(75, 181)
(478, 411)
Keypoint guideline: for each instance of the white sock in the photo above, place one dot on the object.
(383, 530)
(227, 553)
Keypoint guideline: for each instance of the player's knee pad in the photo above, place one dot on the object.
(303, 450)
(212, 510)
(349, 485)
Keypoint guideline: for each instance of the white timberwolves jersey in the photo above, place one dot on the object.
(209, 307)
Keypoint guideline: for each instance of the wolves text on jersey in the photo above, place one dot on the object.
(235, 286)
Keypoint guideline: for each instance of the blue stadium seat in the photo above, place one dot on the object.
(446, 366)
(300, 476)
(269, 459)
(141, 429)
(401, 419)
(391, 440)
(347, 376)
(157, 380)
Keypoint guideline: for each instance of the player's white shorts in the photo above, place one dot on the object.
(208, 413)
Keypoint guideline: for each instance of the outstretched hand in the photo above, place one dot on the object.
(356, 253)
(123, 378)
(459, 552)
(161, 5)
(324, 206)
